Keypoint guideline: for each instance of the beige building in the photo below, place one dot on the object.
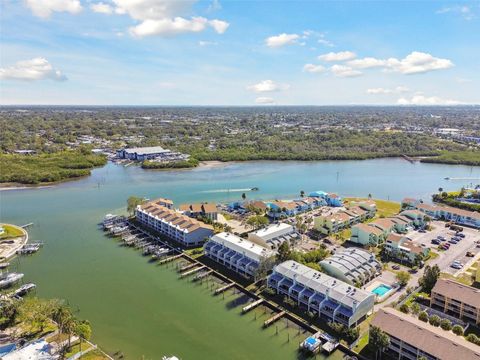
(456, 299)
(410, 339)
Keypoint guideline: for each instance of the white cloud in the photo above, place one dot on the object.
(426, 100)
(214, 6)
(414, 63)
(382, 91)
(325, 42)
(281, 40)
(267, 86)
(29, 70)
(101, 8)
(344, 71)
(462, 10)
(264, 100)
(338, 56)
(314, 68)
(165, 17)
(220, 26)
(44, 8)
(207, 43)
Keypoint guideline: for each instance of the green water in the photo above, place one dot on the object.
(143, 309)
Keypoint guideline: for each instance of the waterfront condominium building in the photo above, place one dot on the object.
(456, 299)
(354, 266)
(205, 210)
(412, 339)
(273, 235)
(172, 224)
(237, 254)
(329, 298)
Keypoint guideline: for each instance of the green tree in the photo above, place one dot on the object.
(423, 316)
(244, 196)
(133, 202)
(446, 324)
(473, 338)
(429, 278)
(404, 308)
(257, 221)
(83, 331)
(378, 340)
(415, 308)
(434, 320)
(458, 330)
(403, 278)
(284, 252)
(302, 193)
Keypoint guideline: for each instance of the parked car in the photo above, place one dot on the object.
(437, 242)
(460, 235)
(456, 265)
(451, 241)
(441, 238)
(470, 254)
(422, 231)
(396, 267)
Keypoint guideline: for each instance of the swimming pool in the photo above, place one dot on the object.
(381, 290)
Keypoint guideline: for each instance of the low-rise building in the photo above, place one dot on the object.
(142, 153)
(385, 224)
(329, 298)
(274, 235)
(448, 213)
(456, 299)
(409, 203)
(367, 235)
(416, 217)
(282, 208)
(412, 339)
(237, 254)
(404, 249)
(204, 210)
(353, 266)
(172, 224)
(330, 224)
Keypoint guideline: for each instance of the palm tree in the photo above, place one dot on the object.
(302, 193)
(440, 190)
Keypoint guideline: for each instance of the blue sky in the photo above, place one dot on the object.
(157, 52)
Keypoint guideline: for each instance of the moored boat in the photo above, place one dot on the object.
(9, 279)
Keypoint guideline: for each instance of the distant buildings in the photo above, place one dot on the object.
(411, 339)
(353, 266)
(329, 224)
(205, 210)
(150, 153)
(273, 235)
(447, 213)
(456, 299)
(330, 199)
(240, 255)
(329, 298)
(172, 224)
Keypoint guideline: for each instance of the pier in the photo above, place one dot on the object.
(169, 259)
(252, 305)
(202, 275)
(187, 267)
(223, 288)
(193, 271)
(274, 318)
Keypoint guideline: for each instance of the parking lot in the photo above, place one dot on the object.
(456, 252)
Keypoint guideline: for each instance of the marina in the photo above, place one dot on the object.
(161, 302)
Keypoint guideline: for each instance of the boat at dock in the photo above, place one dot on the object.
(4, 265)
(312, 343)
(330, 343)
(24, 289)
(29, 248)
(9, 279)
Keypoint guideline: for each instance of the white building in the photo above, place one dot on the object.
(172, 224)
(354, 266)
(273, 235)
(240, 255)
(142, 153)
(329, 298)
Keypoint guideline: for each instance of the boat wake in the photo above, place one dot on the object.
(226, 190)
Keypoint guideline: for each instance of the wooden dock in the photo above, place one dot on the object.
(169, 259)
(187, 267)
(193, 271)
(223, 288)
(202, 275)
(274, 318)
(252, 305)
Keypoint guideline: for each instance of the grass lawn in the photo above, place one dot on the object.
(94, 355)
(361, 343)
(10, 231)
(75, 348)
(385, 208)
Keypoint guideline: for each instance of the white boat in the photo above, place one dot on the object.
(9, 279)
(24, 289)
(170, 358)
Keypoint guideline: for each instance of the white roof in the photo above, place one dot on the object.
(39, 350)
(274, 230)
(338, 290)
(242, 246)
(147, 150)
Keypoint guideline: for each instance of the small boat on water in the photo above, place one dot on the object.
(254, 189)
(9, 279)
(170, 358)
(312, 344)
(30, 248)
(24, 289)
(4, 265)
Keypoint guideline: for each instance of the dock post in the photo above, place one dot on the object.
(288, 337)
(276, 329)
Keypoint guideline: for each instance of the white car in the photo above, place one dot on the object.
(457, 265)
